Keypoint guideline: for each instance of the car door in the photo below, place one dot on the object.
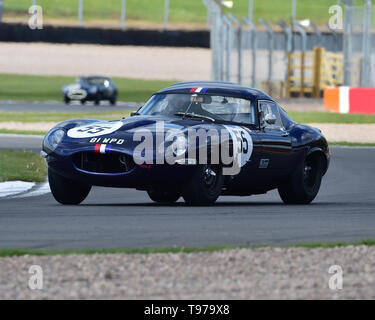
(247, 180)
(274, 139)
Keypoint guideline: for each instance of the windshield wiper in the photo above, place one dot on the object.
(194, 115)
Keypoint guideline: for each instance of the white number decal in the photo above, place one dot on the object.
(94, 129)
(242, 143)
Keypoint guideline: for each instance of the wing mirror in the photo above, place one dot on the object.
(134, 113)
(270, 118)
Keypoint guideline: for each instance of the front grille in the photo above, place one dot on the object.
(103, 163)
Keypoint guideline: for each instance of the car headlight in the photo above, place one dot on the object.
(179, 146)
(52, 140)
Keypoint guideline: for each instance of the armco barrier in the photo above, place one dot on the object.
(350, 100)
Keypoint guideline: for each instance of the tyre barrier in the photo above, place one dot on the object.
(350, 100)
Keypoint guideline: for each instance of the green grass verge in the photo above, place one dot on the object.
(22, 252)
(351, 144)
(32, 133)
(181, 11)
(311, 245)
(44, 88)
(330, 117)
(29, 117)
(22, 165)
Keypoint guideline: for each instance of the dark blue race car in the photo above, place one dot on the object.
(198, 140)
(91, 88)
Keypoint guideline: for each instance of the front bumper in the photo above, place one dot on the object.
(142, 177)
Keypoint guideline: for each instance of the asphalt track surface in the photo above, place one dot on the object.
(123, 218)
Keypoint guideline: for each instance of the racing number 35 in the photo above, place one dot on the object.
(93, 129)
(242, 141)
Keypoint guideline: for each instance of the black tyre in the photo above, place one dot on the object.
(304, 184)
(66, 191)
(113, 101)
(97, 102)
(83, 102)
(205, 185)
(163, 196)
(66, 100)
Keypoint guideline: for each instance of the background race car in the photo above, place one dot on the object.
(91, 88)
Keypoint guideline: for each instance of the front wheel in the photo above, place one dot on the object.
(204, 186)
(66, 191)
(163, 196)
(66, 100)
(304, 184)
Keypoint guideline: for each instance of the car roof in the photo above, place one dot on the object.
(94, 77)
(220, 88)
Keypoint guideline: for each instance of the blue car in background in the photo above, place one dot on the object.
(91, 88)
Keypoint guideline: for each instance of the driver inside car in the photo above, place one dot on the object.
(176, 103)
(196, 106)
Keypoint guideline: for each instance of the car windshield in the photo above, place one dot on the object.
(216, 107)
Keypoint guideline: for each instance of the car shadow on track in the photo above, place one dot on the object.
(218, 204)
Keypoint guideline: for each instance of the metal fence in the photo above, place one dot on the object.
(358, 42)
(250, 53)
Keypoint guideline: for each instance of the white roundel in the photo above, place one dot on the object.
(94, 129)
(242, 144)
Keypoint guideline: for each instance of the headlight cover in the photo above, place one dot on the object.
(52, 140)
(179, 146)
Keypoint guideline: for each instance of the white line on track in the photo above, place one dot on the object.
(21, 189)
(12, 188)
(40, 190)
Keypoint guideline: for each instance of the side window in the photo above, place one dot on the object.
(268, 107)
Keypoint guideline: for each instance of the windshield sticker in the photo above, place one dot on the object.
(198, 90)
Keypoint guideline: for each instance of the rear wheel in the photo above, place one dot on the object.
(66, 100)
(304, 183)
(67, 191)
(204, 186)
(163, 196)
(97, 102)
